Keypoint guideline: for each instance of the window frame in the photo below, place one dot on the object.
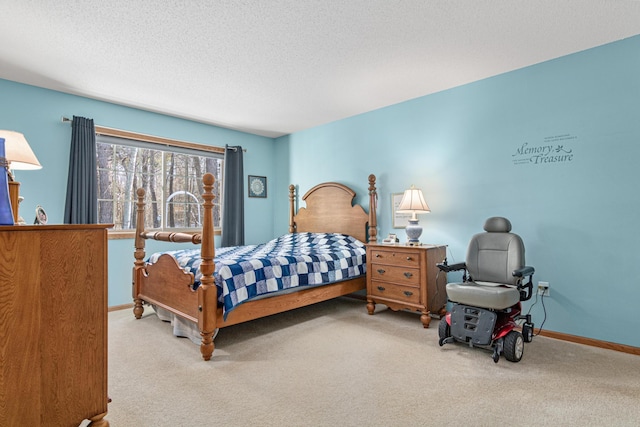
(163, 144)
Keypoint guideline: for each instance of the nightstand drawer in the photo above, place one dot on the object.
(392, 273)
(396, 292)
(400, 258)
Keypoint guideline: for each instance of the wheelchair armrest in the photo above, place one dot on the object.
(526, 289)
(443, 266)
(524, 271)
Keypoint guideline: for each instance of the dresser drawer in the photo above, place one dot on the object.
(396, 292)
(399, 258)
(395, 274)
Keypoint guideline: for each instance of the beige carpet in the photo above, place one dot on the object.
(334, 365)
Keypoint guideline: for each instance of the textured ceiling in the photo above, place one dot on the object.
(274, 67)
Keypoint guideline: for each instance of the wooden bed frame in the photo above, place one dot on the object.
(329, 209)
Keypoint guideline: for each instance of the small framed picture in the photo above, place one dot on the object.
(257, 186)
(400, 220)
(41, 216)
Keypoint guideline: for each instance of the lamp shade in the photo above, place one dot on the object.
(17, 151)
(413, 202)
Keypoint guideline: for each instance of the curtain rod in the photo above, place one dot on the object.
(66, 119)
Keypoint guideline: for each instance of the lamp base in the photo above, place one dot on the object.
(414, 231)
(6, 213)
(14, 196)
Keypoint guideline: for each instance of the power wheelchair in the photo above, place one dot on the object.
(486, 306)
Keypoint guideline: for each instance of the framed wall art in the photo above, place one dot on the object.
(257, 186)
(400, 220)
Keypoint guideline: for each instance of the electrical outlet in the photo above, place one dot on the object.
(543, 289)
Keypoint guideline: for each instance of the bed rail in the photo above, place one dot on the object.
(176, 237)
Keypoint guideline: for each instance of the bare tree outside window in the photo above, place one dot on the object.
(172, 181)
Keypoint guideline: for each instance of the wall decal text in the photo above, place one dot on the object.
(553, 149)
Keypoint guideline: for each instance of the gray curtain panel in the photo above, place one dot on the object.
(233, 203)
(82, 185)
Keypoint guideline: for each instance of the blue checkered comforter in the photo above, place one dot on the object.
(293, 260)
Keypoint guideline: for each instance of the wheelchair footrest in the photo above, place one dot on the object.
(472, 324)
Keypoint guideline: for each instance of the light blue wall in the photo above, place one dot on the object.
(579, 217)
(37, 114)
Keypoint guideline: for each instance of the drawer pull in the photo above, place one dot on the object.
(377, 255)
(381, 271)
(408, 293)
(381, 288)
(409, 258)
(408, 275)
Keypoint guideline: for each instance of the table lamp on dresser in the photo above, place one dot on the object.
(15, 153)
(413, 202)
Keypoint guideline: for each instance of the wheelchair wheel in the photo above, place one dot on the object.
(527, 332)
(444, 331)
(513, 346)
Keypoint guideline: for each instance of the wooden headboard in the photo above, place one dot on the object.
(329, 209)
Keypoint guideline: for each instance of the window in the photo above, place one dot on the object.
(171, 176)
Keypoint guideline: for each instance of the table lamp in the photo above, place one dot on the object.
(413, 202)
(19, 156)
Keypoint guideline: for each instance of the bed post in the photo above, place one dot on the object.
(207, 291)
(292, 197)
(138, 264)
(373, 203)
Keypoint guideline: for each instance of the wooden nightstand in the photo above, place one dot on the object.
(406, 277)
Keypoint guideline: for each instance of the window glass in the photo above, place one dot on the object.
(172, 182)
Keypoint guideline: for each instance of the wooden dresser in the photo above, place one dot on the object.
(53, 325)
(406, 277)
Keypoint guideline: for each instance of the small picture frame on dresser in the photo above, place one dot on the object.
(41, 216)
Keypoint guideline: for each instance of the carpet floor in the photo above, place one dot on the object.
(332, 364)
